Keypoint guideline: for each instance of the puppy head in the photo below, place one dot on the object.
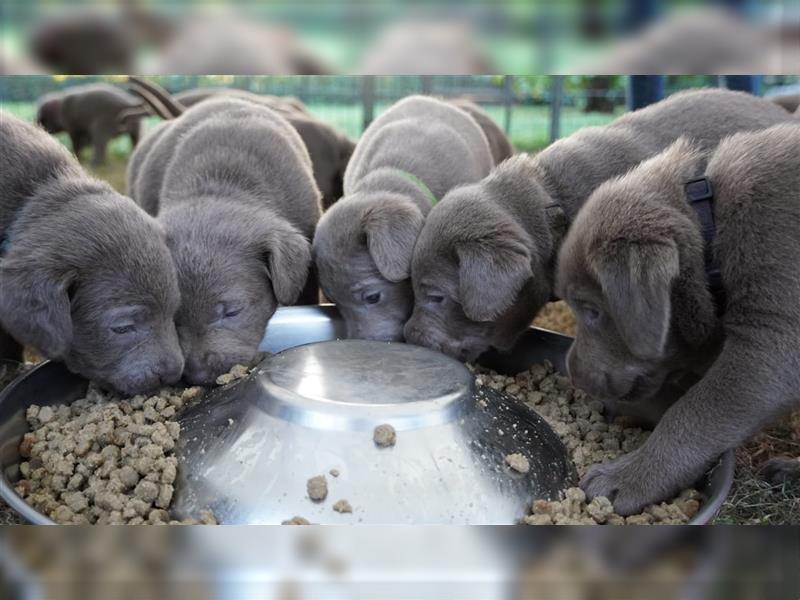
(477, 275)
(632, 271)
(233, 272)
(94, 285)
(363, 248)
(48, 114)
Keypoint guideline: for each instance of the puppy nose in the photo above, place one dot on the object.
(171, 370)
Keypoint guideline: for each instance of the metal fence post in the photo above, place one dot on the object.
(555, 107)
(426, 84)
(508, 98)
(744, 83)
(368, 99)
(644, 90)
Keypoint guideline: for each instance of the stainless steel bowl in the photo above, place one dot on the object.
(247, 449)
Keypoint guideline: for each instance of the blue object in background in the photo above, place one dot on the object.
(644, 90)
(744, 83)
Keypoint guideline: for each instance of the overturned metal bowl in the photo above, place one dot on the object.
(247, 449)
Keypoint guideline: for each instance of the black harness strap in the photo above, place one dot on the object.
(700, 195)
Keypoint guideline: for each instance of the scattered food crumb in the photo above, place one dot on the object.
(342, 506)
(237, 372)
(317, 488)
(334, 472)
(384, 436)
(296, 521)
(579, 421)
(518, 462)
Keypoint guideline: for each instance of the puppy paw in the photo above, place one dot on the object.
(780, 470)
(629, 482)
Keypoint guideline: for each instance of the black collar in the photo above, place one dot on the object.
(5, 243)
(700, 195)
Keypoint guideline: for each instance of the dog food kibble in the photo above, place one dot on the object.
(317, 488)
(384, 436)
(342, 506)
(103, 459)
(579, 422)
(296, 521)
(518, 462)
(107, 460)
(334, 472)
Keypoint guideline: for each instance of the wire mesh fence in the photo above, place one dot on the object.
(533, 110)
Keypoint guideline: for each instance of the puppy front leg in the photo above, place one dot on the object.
(743, 390)
(100, 138)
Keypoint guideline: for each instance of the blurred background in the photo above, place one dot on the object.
(282, 37)
(424, 563)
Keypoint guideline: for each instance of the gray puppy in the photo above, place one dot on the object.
(407, 158)
(498, 141)
(231, 182)
(329, 148)
(85, 275)
(632, 268)
(91, 114)
(484, 262)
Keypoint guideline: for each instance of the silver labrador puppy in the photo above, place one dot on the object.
(632, 268)
(406, 159)
(232, 185)
(85, 275)
(484, 262)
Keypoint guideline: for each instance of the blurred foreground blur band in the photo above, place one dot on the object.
(444, 37)
(591, 563)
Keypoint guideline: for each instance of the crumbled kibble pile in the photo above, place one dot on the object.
(556, 316)
(104, 460)
(384, 436)
(237, 372)
(579, 422)
(573, 509)
(342, 506)
(518, 462)
(317, 488)
(296, 521)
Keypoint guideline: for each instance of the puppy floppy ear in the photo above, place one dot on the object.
(637, 286)
(288, 261)
(492, 270)
(392, 229)
(35, 308)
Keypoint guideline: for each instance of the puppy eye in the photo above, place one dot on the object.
(435, 298)
(123, 329)
(591, 313)
(232, 312)
(372, 298)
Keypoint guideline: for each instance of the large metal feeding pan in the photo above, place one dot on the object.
(248, 449)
